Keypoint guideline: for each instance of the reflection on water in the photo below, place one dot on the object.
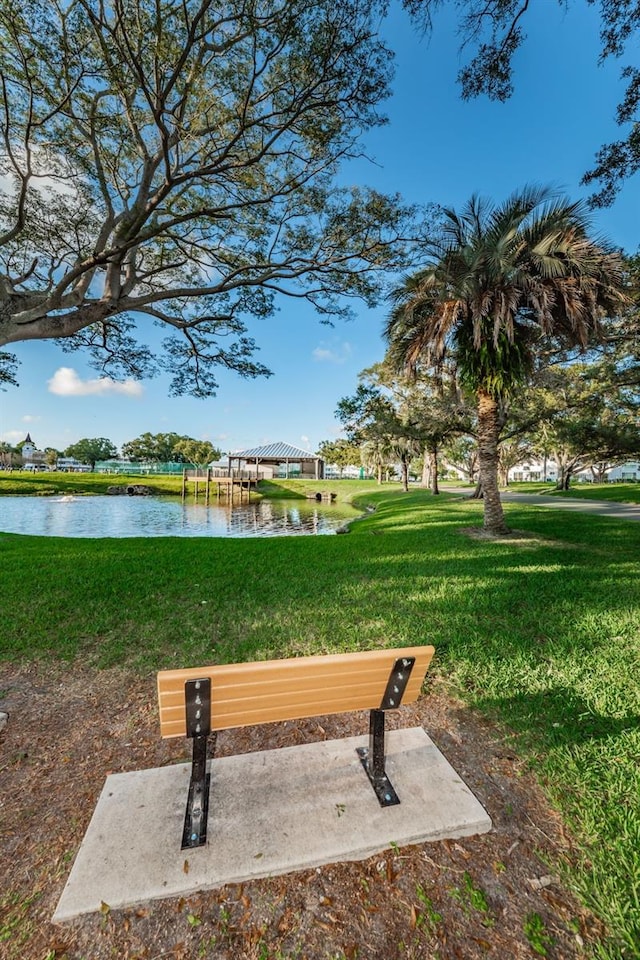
(167, 517)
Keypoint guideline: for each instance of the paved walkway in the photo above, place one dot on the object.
(600, 508)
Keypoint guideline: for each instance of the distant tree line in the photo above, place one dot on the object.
(580, 415)
(148, 448)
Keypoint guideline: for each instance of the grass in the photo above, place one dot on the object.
(19, 482)
(536, 934)
(540, 633)
(24, 482)
(472, 897)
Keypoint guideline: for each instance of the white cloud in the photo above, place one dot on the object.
(305, 440)
(332, 352)
(12, 436)
(66, 383)
(29, 418)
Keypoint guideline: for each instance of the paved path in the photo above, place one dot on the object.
(600, 508)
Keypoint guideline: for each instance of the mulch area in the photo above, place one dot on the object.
(494, 895)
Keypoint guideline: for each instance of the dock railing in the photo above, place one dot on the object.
(227, 482)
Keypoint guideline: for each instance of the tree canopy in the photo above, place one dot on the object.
(92, 449)
(494, 30)
(587, 417)
(155, 447)
(343, 453)
(172, 163)
(198, 452)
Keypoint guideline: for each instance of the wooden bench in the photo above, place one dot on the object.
(199, 701)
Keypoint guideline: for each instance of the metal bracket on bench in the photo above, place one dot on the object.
(197, 696)
(397, 683)
(373, 757)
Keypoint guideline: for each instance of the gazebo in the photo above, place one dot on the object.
(280, 457)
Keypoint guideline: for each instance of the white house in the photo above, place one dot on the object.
(547, 470)
(333, 472)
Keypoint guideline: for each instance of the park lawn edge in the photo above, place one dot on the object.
(540, 633)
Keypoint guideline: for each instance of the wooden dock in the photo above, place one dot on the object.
(237, 485)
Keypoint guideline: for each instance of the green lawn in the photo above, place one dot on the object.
(47, 484)
(19, 482)
(541, 634)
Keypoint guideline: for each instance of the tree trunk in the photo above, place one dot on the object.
(404, 462)
(379, 473)
(562, 480)
(477, 493)
(488, 430)
(426, 467)
(433, 464)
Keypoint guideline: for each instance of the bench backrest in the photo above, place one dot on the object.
(244, 694)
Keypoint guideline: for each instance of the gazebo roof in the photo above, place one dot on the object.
(275, 451)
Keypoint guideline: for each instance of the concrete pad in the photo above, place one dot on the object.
(270, 813)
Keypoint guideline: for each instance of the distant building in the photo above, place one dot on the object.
(333, 472)
(28, 448)
(539, 470)
(71, 465)
(33, 459)
(278, 460)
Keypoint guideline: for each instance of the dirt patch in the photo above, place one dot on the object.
(513, 536)
(489, 896)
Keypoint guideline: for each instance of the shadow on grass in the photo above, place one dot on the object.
(557, 717)
(404, 575)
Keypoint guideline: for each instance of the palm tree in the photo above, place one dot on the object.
(377, 456)
(498, 280)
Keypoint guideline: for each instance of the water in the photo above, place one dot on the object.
(121, 516)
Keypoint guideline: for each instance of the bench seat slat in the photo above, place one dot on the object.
(222, 691)
(285, 680)
(235, 713)
(267, 691)
(286, 711)
(323, 665)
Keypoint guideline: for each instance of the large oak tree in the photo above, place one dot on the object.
(174, 162)
(492, 31)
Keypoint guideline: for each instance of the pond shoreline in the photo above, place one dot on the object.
(104, 516)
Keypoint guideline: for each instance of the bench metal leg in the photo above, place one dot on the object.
(372, 759)
(198, 711)
(194, 833)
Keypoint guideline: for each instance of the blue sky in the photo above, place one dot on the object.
(435, 148)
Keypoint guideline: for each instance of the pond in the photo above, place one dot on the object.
(118, 516)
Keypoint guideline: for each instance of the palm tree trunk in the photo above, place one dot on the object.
(488, 429)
